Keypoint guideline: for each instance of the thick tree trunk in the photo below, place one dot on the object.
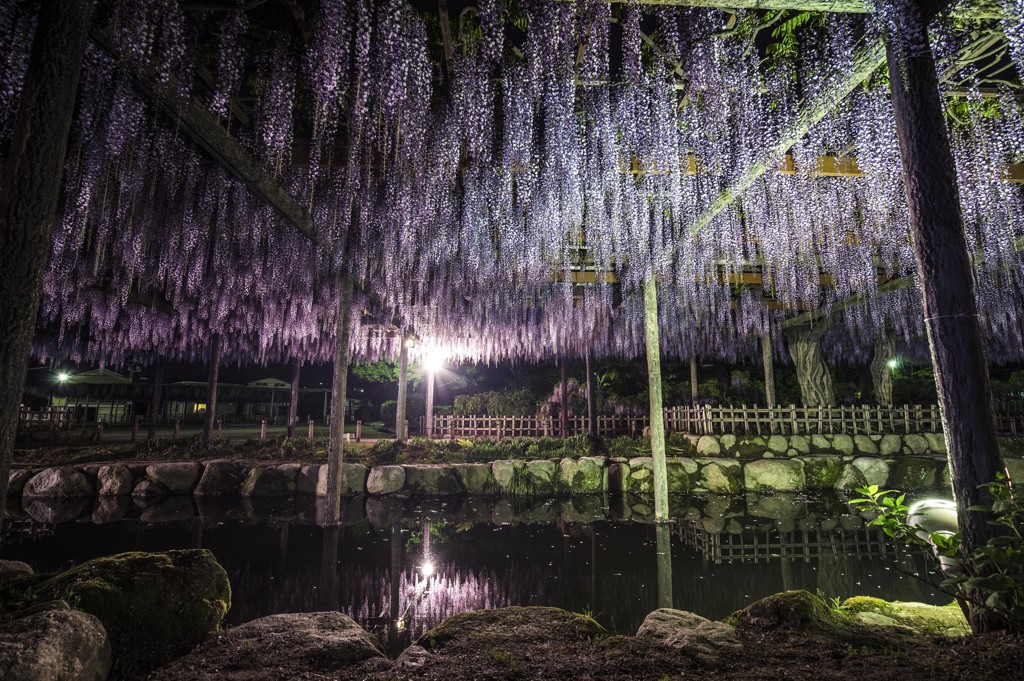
(31, 189)
(811, 370)
(403, 388)
(565, 396)
(945, 275)
(881, 374)
(654, 391)
(293, 403)
(211, 387)
(336, 444)
(769, 370)
(154, 401)
(591, 396)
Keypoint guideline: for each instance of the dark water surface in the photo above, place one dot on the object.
(725, 553)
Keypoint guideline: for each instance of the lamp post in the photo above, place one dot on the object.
(432, 362)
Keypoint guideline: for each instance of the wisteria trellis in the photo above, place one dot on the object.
(464, 201)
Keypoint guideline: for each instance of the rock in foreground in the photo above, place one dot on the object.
(57, 644)
(298, 645)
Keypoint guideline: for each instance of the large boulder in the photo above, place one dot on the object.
(56, 644)
(708, 445)
(220, 478)
(293, 645)
(353, 480)
(309, 477)
(875, 470)
(113, 480)
(153, 605)
(703, 640)
(431, 480)
(178, 477)
(271, 481)
(475, 478)
(385, 480)
(930, 620)
(720, 477)
(542, 476)
(850, 479)
(64, 482)
(508, 475)
(795, 610)
(585, 474)
(822, 472)
(913, 473)
(12, 569)
(779, 475)
(513, 626)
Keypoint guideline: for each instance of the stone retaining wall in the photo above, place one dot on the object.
(545, 478)
(789, 446)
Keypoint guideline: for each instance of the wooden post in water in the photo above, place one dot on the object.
(293, 403)
(30, 194)
(769, 370)
(654, 390)
(591, 395)
(336, 442)
(211, 387)
(945, 274)
(401, 432)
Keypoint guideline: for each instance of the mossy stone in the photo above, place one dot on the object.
(718, 477)
(153, 605)
(751, 447)
(913, 473)
(822, 472)
(512, 625)
(930, 620)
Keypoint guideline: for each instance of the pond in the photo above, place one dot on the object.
(402, 567)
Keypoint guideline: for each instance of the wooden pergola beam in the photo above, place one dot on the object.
(979, 9)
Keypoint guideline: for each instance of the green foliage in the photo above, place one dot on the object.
(992, 576)
(415, 407)
(917, 387)
(785, 43)
(496, 403)
(376, 372)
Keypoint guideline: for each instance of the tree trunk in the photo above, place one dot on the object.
(591, 396)
(211, 387)
(654, 391)
(31, 189)
(154, 401)
(945, 276)
(403, 387)
(811, 371)
(565, 396)
(769, 370)
(429, 418)
(881, 374)
(336, 443)
(293, 403)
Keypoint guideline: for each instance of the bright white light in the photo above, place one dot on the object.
(63, 376)
(410, 342)
(893, 363)
(427, 569)
(433, 362)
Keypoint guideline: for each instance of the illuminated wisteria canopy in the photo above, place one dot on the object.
(501, 178)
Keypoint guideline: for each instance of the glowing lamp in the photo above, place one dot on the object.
(63, 377)
(427, 569)
(433, 362)
(893, 363)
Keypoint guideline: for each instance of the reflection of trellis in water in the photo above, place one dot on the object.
(768, 545)
(17, 530)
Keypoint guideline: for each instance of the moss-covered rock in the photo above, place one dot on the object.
(913, 473)
(931, 620)
(799, 610)
(581, 475)
(431, 480)
(512, 625)
(476, 478)
(781, 475)
(153, 605)
(822, 472)
(720, 477)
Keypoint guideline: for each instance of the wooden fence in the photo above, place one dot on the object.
(737, 420)
(52, 418)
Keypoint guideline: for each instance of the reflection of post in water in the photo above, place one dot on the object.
(197, 533)
(282, 547)
(664, 549)
(329, 569)
(593, 569)
(398, 632)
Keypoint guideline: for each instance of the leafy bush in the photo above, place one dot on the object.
(415, 407)
(494, 403)
(992, 577)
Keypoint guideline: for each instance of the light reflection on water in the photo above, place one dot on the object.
(720, 554)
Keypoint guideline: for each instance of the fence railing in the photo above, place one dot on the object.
(52, 418)
(737, 420)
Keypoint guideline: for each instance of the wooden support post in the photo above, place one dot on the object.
(309, 429)
(293, 403)
(693, 380)
(401, 431)
(565, 396)
(359, 431)
(591, 395)
(769, 370)
(429, 419)
(881, 373)
(263, 429)
(946, 277)
(30, 193)
(336, 442)
(177, 428)
(135, 430)
(654, 390)
(811, 371)
(211, 387)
